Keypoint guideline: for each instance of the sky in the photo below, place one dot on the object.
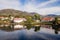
(42, 7)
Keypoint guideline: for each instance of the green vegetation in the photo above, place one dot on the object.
(37, 17)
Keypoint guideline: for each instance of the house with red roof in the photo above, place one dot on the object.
(46, 19)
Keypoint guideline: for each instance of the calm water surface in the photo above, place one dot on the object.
(25, 34)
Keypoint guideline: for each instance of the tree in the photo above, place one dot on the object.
(28, 23)
(37, 17)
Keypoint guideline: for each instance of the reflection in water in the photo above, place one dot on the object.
(37, 29)
(18, 26)
(29, 26)
(30, 33)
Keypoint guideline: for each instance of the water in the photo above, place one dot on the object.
(29, 34)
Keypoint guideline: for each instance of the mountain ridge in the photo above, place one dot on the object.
(15, 12)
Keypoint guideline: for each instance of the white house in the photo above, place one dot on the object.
(3, 17)
(18, 20)
(6, 18)
(11, 18)
(37, 20)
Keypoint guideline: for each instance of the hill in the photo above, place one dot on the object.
(51, 15)
(15, 12)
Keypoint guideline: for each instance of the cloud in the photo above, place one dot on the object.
(51, 10)
(15, 4)
(31, 6)
(42, 7)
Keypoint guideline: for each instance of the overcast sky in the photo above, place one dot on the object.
(42, 7)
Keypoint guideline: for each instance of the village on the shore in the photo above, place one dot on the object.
(14, 19)
(35, 20)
